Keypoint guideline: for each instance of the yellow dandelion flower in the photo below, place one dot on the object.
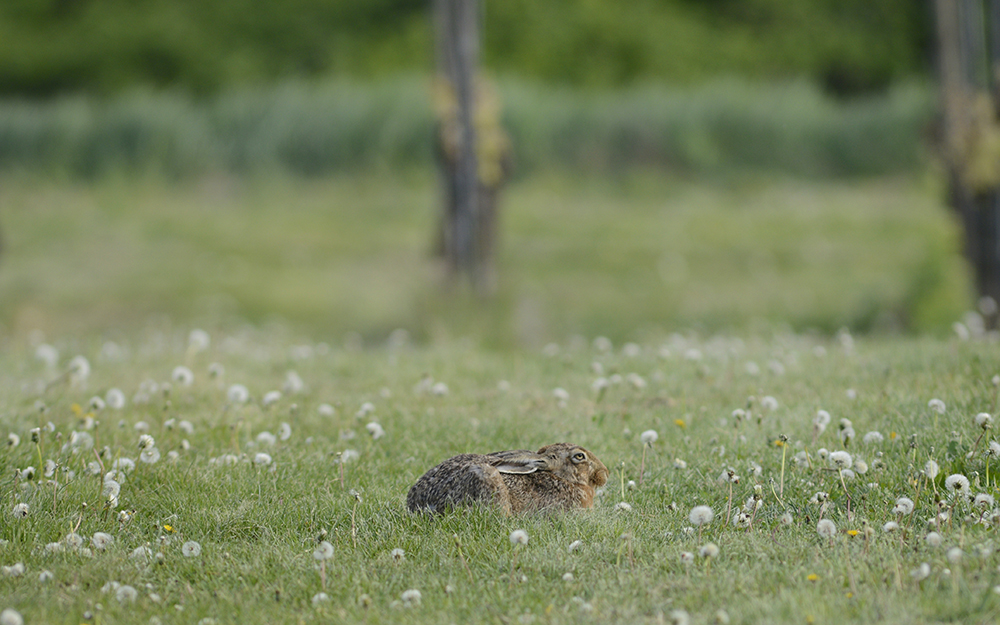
(76, 409)
(892, 436)
(852, 532)
(779, 443)
(812, 577)
(168, 528)
(849, 595)
(680, 423)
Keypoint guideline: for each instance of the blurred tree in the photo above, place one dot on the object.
(969, 65)
(49, 46)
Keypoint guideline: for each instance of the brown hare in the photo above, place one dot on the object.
(561, 476)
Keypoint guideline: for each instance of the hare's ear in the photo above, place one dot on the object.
(518, 461)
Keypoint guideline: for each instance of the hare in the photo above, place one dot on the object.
(561, 476)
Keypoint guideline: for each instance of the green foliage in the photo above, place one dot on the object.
(310, 129)
(49, 47)
(258, 520)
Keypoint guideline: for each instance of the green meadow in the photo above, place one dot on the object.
(723, 314)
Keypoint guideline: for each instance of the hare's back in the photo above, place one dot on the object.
(460, 480)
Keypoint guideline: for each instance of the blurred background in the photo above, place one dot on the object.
(665, 165)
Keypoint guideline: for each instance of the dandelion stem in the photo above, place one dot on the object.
(513, 565)
(642, 464)
(729, 503)
(781, 487)
(322, 573)
(848, 494)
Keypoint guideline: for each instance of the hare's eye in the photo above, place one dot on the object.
(579, 456)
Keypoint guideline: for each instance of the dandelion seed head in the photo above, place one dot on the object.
(411, 597)
(931, 469)
(904, 506)
(933, 539)
(191, 549)
(182, 376)
(957, 483)
(708, 550)
(126, 594)
(648, 437)
(262, 459)
(11, 616)
(841, 460)
(575, 545)
(890, 526)
(101, 540)
(284, 431)
(922, 572)
(826, 528)
(701, 515)
(397, 554)
(238, 394)
(519, 537)
(936, 405)
(983, 420)
(20, 510)
(270, 398)
(687, 557)
(323, 551)
(954, 556)
(623, 506)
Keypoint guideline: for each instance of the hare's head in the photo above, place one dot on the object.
(574, 464)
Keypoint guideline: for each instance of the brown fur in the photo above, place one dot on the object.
(515, 481)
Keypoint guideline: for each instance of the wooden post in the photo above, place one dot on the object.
(968, 33)
(458, 60)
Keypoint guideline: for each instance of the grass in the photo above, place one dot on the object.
(624, 256)
(258, 524)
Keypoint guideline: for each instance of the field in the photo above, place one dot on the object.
(257, 495)
(627, 257)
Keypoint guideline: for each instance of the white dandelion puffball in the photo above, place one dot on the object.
(20, 510)
(320, 597)
(439, 389)
(872, 438)
(262, 459)
(701, 515)
(769, 403)
(623, 506)
(271, 397)
(100, 540)
(150, 455)
(933, 539)
(323, 551)
(560, 394)
(198, 340)
(96, 404)
(687, 557)
(79, 368)
(326, 410)
(293, 383)
(957, 483)
(841, 460)
(904, 506)
(575, 545)
(983, 501)
(708, 550)
(397, 555)
(238, 394)
(182, 375)
(648, 437)
(11, 617)
(266, 438)
(983, 420)
(931, 469)
(936, 405)
(519, 537)
(126, 594)
(826, 528)
(145, 440)
(922, 572)
(191, 549)
(115, 398)
(375, 429)
(954, 555)
(890, 526)
(284, 431)
(411, 597)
